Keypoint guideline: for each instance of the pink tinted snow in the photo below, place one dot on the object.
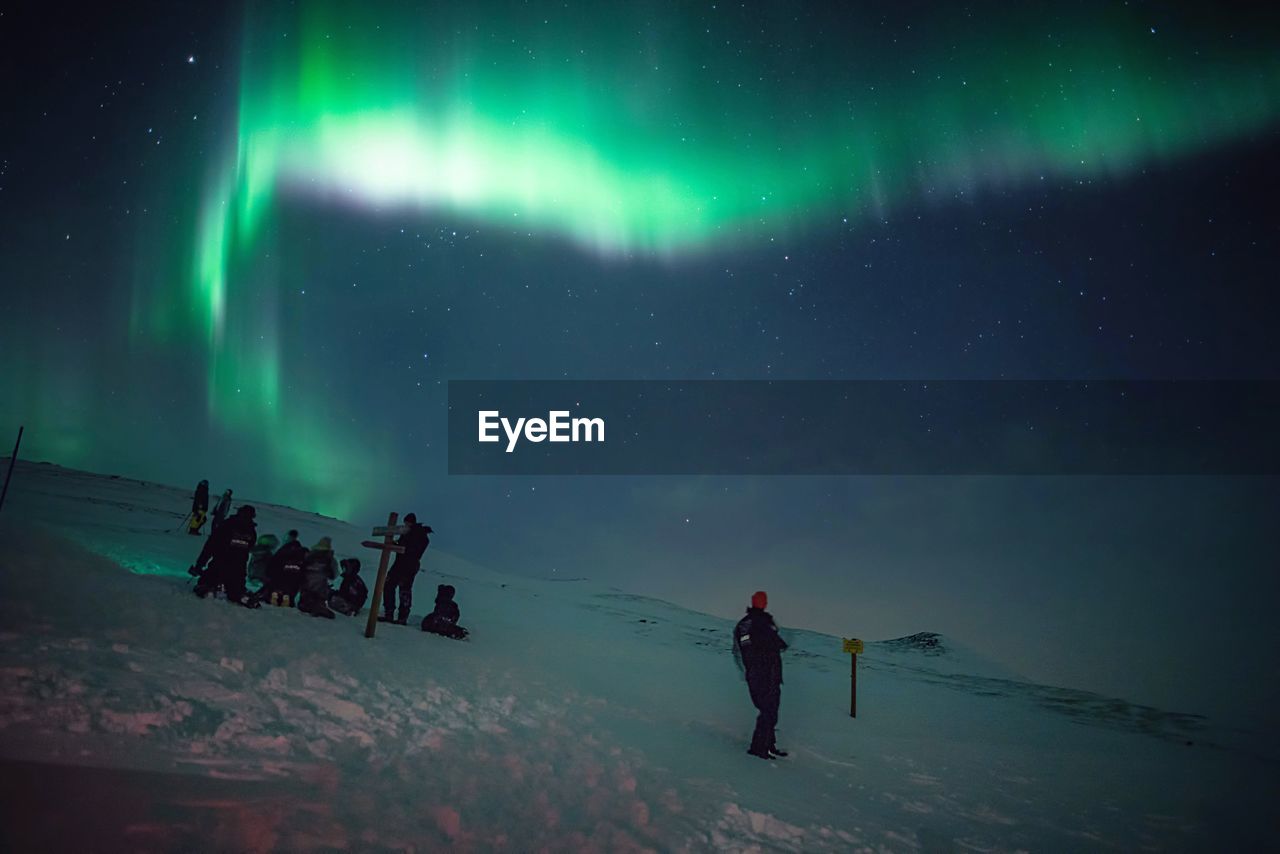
(449, 821)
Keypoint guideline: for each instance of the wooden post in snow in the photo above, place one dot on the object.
(387, 546)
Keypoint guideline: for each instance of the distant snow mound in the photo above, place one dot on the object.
(929, 643)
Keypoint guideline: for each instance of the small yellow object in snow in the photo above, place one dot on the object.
(853, 645)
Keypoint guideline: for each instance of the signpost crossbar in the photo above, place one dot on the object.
(374, 544)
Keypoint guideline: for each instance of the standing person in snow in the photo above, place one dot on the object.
(404, 570)
(757, 648)
(226, 552)
(220, 512)
(260, 557)
(199, 508)
(444, 619)
(284, 572)
(317, 571)
(352, 593)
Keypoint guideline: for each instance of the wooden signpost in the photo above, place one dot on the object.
(387, 546)
(853, 647)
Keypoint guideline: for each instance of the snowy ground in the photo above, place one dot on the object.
(134, 716)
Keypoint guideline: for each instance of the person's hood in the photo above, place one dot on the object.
(445, 593)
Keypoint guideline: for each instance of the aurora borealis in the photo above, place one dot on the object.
(252, 243)
(670, 146)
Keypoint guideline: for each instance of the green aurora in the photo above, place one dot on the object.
(630, 132)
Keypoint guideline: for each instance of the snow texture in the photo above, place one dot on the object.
(576, 718)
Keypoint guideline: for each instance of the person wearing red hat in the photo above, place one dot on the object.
(757, 648)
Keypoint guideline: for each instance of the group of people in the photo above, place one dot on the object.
(292, 575)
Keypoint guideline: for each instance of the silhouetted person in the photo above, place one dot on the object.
(227, 552)
(404, 571)
(317, 571)
(284, 572)
(222, 509)
(352, 593)
(758, 647)
(444, 619)
(199, 508)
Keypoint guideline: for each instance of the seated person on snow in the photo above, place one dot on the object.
(352, 593)
(284, 573)
(260, 557)
(444, 619)
(317, 571)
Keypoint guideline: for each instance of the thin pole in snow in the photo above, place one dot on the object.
(9, 473)
(853, 686)
(853, 646)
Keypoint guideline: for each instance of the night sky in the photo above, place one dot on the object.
(253, 244)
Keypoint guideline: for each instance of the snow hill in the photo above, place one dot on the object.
(134, 716)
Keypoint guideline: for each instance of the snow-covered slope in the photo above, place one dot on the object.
(135, 716)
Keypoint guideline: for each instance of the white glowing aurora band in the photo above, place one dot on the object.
(624, 136)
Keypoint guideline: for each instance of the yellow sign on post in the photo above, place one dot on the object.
(854, 647)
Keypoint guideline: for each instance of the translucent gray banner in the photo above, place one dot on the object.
(1001, 427)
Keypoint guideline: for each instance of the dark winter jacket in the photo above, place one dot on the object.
(352, 591)
(284, 570)
(443, 620)
(200, 501)
(260, 557)
(446, 609)
(229, 545)
(415, 542)
(317, 571)
(757, 647)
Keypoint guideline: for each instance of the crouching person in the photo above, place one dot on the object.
(318, 570)
(226, 553)
(352, 593)
(444, 619)
(284, 573)
(260, 558)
